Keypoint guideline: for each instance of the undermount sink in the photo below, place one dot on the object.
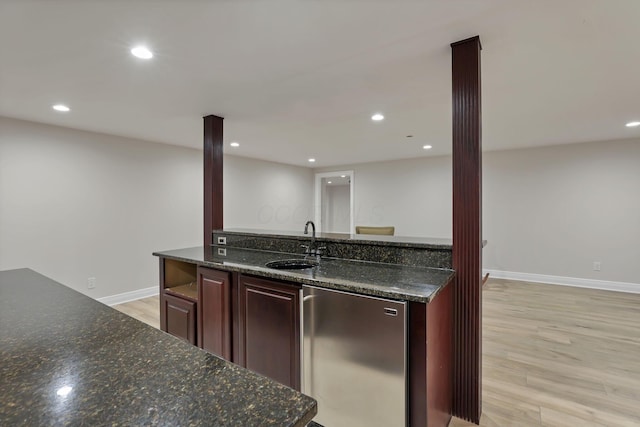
(291, 264)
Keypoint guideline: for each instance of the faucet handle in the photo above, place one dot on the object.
(306, 248)
(320, 249)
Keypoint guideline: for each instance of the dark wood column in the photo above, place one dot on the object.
(467, 229)
(212, 176)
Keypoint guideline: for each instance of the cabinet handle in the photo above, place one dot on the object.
(390, 311)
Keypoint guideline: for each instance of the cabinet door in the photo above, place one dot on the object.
(214, 323)
(180, 318)
(269, 332)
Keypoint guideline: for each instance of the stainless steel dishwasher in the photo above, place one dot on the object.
(354, 358)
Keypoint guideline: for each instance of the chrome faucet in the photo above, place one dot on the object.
(313, 229)
(311, 249)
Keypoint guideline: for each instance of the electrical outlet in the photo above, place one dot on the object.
(91, 282)
(596, 265)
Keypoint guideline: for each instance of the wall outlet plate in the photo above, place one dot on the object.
(91, 283)
(222, 240)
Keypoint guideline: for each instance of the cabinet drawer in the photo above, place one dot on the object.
(180, 319)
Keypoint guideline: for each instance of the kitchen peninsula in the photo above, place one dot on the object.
(236, 309)
(70, 360)
(227, 299)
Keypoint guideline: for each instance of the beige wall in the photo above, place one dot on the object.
(546, 211)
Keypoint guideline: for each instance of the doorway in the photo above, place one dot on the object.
(334, 204)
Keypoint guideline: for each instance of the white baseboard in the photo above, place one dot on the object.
(565, 281)
(129, 296)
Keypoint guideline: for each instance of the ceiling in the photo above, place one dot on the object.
(296, 79)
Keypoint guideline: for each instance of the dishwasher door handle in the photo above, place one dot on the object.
(390, 311)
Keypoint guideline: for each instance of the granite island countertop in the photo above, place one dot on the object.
(367, 278)
(67, 359)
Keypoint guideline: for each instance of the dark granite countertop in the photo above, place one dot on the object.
(66, 359)
(368, 278)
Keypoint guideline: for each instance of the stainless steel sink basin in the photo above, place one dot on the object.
(292, 264)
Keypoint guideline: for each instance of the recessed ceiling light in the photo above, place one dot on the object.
(427, 147)
(235, 144)
(377, 117)
(60, 107)
(328, 182)
(343, 176)
(312, 160)
(142, 52)
(633, 124)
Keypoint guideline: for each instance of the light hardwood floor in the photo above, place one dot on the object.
(559, 356)
(552, 355)
(146, 310)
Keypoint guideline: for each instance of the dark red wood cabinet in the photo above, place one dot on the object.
(178, 299)
(255, 322)
(269, 329)
(180, 317)
(214, 316)
(251, 321)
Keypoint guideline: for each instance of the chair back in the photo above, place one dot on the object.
(382, 231)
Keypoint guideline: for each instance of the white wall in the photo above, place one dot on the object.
(76, 204)
(546, 211)
(266, 195)
(556, 210)
(413, 195)
(336, 208)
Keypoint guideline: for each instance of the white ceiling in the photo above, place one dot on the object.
(300, 78)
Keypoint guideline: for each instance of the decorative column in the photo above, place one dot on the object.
(467, 229)
(212, 176)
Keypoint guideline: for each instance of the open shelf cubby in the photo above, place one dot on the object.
(180, 279)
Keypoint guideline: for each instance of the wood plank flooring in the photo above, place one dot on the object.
(559, 356)
(552, 355)
(146, 310)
